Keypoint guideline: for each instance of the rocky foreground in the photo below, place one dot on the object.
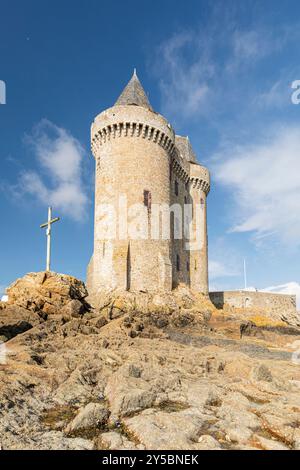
(140, 371)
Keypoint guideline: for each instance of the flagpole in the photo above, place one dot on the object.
(245, 274)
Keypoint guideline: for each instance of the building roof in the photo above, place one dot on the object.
(185, 149)
(134, 94)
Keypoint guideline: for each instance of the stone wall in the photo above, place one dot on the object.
(278, 304)
(193, 184)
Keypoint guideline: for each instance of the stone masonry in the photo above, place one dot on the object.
(139, 157)
(280, 306)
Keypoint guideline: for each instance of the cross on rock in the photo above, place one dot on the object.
(48, 234)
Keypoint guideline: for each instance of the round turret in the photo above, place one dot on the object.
(146, 180)
(132, 146)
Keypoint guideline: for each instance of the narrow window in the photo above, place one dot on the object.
(147, 199)
(187, 185)
(176, 187)
(177, 262)
(187, 266)
(128, 262)
(185, 199)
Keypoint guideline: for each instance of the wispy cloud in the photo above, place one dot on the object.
(248, 45)
(251, 45)
(278, 95)
(2, 290)
(264, 181)
(202, 70)
(218, 269)
(184, 83)
(58, 180)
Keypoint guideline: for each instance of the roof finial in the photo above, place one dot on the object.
(133, 94)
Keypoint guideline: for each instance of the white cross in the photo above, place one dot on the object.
(48, 233)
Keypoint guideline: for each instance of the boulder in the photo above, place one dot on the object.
(15, 320)
(116, 441)
(10, 331)
(269, 444)
(75, 308)
(262, 373)
(180, 307)
(47, 293)
(92, 416)
(208, 443)
(160, 430)
(55, 440)
(249, 328)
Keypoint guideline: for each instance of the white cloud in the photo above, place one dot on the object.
(265, 185)
(278, 95)
(291, 288)
(59, 179)
(202, 70)
(3, 296)
(184, 85)
(217, 270)
(2, 290)
(248, 44)
(254, 44)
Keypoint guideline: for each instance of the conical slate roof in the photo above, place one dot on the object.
(134, 94)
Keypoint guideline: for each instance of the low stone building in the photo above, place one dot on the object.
(145, 171)
(279, 306)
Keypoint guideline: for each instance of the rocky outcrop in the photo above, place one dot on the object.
(138, 372)
(92, 417)
(47, 293)
(179, 308)
(39, 296)
(15, 320)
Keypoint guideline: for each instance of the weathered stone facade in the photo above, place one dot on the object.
(279, 306)
(139, 156)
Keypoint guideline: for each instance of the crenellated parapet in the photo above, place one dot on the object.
(136, 122)
(200, 184)
(179, 170)
(193, 173)
(199, 177)
(132, 129)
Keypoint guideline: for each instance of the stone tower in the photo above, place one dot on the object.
(142, 167)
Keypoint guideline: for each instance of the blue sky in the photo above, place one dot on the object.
(221, 72)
